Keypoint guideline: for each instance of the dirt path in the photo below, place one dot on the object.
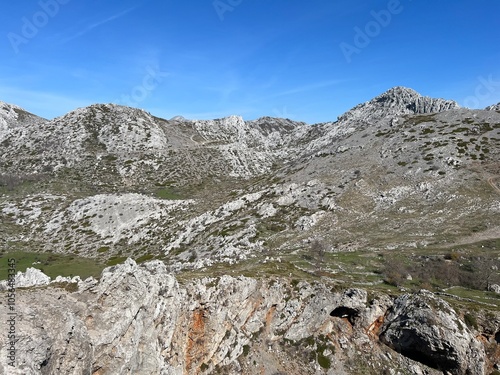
(490, 234)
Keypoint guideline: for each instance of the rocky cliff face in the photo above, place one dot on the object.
(138, 319)
(427, 329)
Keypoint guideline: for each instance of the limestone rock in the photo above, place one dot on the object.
(495, 288)
(137, 319)
(32, 277)
(426, 329)
(395, 102)
(494, 107)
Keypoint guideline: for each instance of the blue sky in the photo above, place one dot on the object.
(306, 60)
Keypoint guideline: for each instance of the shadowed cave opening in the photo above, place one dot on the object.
(345, 313)
(435, 360)
(411, 345)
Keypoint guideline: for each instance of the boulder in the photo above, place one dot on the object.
(495, 288)
(425, 328)
(32, 277)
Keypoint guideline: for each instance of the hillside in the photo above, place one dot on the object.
(401, 193)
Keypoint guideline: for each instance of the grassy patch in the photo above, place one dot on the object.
(52, 265)
(113, 261)
(144, 258)
(470, 320)
(167, 193)
(475, 295)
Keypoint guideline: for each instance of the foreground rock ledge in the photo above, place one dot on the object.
(427, 329)
(137, 319)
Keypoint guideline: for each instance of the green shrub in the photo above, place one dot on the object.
(103, 249)
(144, 258)
(324, 361)
(204, 367)
(470, 320)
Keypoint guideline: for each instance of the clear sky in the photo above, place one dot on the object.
(308, 60)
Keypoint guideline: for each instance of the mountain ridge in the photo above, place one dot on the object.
(418, 104)
(399, 194)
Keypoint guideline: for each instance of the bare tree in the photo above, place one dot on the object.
(318, 250)
(487, 271)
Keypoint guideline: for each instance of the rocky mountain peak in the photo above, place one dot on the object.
(398, 95)
(14, 117)
(98, 111)
(395, 102)
(494, 107)
(6, 106)
(409, 99)
(12, 114)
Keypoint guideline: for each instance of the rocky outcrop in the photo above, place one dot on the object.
(495, 288)
(494, 107)
(137, 319)
(32, 277)
(13, 118)
(396, 102)
(428, 330)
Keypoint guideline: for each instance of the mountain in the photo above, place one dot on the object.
(396, 102)
(495, 107)
(399, 194)
(12, 116)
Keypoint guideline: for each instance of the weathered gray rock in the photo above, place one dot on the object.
(426, 329)
(396, 102)
(495, 288)
(494, 107)
(137, 319)
(32, 277)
